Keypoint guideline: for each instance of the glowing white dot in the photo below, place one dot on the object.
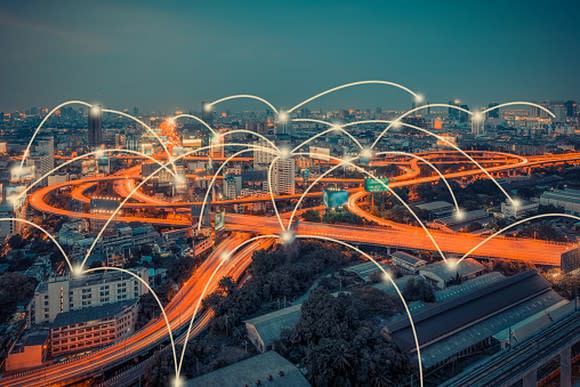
(366, 153)
(336, 127)
(287, 237)
(207, 107)
(477, 117)
(77, 271)
(396, 124)
(459, 215)
(95, 110)
(452, 264)
(386, 276)
(177, 382)
(285, 152)
(180, 180)
(419, 98)
(282, 117)
(516, 203)
(99, 153)
(225, 256)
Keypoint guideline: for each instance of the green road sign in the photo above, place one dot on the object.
(372, 185)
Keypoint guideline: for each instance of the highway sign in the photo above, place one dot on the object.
(372, 185)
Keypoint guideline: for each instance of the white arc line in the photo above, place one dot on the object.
(196, 118)
(243, 96)
(37, 181)
(45, 232)
(167, 324)
(549, 215)
(351, 84)
(388, 276)
(56, 108)
(335, 127)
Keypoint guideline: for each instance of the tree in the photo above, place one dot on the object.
(418, 289)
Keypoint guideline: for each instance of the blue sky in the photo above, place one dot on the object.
(167, 55)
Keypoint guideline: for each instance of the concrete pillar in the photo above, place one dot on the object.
(531, 378)
(566, 367)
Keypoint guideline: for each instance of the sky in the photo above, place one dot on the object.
(172, 55)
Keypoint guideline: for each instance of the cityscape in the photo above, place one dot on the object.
(365, 233)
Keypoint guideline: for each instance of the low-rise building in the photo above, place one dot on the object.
(439, 274)
(269, 369)
(407, 263)
(92, 327)
(520, 210)
(437, 209)
(64, 294)
(566, 199)
(264, 330)
(30, 351)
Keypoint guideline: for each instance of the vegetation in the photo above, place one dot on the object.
(337, 339)
(14, 288)
(417, 289)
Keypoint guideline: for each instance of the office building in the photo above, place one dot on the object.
(95, 128)
(566, 199)
(283, 176)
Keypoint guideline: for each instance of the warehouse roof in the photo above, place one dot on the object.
(268, 368)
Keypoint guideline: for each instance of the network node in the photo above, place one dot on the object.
(452, 264)
(225, 256)
(459, 215)
(287, 237)
(285, 152)
(419, 98)
(517, 203)
(95, 110)
(99, 153)
(396, 124)
(477, 117)
(366, 153)
(336, 127)
(76, 271)
(386, 276)
(177, 382)
(283, 117)
(180, 180)
(207, 107)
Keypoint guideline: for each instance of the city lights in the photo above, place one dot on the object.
(282, 117)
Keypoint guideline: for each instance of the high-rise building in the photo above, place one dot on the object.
(283, 176)
(206, 113)
(262, 159)
(477, 127)
(493, 113)
(95, 131)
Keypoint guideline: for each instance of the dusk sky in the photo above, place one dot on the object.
(168, 55)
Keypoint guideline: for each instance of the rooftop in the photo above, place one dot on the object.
(408, 258)
(447, 272)
(90, 314)
(271, 324)
(249, 371)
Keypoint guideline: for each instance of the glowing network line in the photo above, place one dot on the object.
(210, 105)
(138, 187)
(45, 232)
(196, 118)
(148, 128)
(418, 98)
(386, 187)
(221, 167)
(39, 127)
(442, 139)
(386, 275)
(512, 225)
(225, 258)
(334, 128)
(146, 284)
(93, 153)
(422, 107)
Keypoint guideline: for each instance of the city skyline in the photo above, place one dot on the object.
(175, 56)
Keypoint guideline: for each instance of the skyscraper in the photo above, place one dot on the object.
(95, 132)
(283, 176)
